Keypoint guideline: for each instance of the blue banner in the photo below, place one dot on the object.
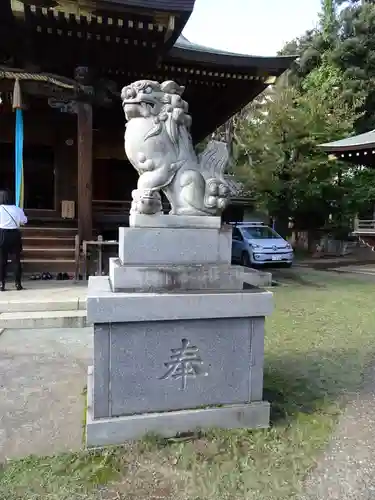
(19, 158)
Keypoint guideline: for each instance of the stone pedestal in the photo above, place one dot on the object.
(178, 343)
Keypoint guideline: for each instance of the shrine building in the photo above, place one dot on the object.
(69, 60)
(358, 150)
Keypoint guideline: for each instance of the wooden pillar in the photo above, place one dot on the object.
(84, 141)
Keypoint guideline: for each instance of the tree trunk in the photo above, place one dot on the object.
(282, 224)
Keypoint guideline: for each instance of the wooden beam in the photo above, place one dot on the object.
(84, 139)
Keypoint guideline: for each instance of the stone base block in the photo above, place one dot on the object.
(176, 221)
(169, 278)
(114, 431)
(156, 352)
(105, 306)
(254, 277)
(174, 246)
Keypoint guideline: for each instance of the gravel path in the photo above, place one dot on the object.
(347, 469)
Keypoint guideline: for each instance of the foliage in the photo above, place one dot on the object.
(328, 94)
(346, 38)
(312, 47)
(277, 153)
(360, 184)
(354, 54)
(308, 48)
(328, 22)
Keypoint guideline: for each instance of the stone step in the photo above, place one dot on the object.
(43, 305)
(58, 232)
(52, 222)
(52, 266)
(49, 247)
(254, 277)
(57, 253)
(43, 319)
(47, 241)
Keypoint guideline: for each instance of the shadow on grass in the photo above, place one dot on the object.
(294, 276)
(309, 383)
(216, 463)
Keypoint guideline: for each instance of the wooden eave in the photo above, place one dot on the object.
(214, 94)
(276, 65)
(95, 22)
(365, 157)
(177, 6)
(212, 107)
(119, 19)
(188, 52)
(85, 7)
(220, 82)
(212, 98)
(178, 12)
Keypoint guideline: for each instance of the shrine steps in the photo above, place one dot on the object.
(43, 319)
(44, 304)
(52, 266)
(49, 247)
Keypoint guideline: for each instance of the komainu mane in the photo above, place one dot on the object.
(159, 146)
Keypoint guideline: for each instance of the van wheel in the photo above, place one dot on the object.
(245, 260)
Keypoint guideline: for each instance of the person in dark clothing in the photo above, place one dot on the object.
(11, 219)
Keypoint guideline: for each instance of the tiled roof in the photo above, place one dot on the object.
(185, 49)
(183, 43)
(361, 141)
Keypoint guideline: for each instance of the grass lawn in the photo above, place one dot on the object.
(318, 343)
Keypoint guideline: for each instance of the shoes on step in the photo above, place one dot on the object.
(2, 287)
(19, 286)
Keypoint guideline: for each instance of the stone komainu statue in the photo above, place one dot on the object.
(159, 146)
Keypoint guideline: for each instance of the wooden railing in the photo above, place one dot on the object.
(111, 206)
(77, 255)
(364, 226)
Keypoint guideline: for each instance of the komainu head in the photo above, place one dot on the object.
(146, 98)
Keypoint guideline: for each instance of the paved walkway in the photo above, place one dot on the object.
(42, 377)
(347, 470)
(44, 295)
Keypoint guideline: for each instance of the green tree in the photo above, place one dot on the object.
(359, 183)
(328, 94)
(354, 54)
(308, 49)
(329, 23)
(277, 153)
(312, 47)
